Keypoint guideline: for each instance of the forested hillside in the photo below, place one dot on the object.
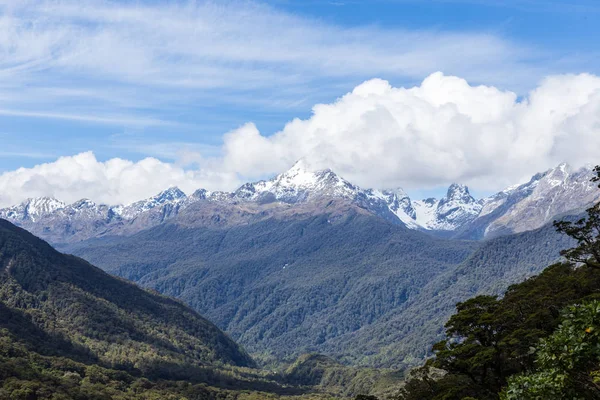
(353, 286)
(70, 331)
(67, 297)
(540, 341)
(409, 333)
(501, 335)
(283, 287)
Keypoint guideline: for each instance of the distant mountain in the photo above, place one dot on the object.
(456, 209)
(308, 262)
(290, 279)
(99, 317)
(516, 209)
(32, 209)
(558, 191)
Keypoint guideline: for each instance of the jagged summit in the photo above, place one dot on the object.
(457, 208)
(533, 204)
(169, 198)
(459, 192)
(172, 193)
(517, 208)
(299, 183)
(32, 209)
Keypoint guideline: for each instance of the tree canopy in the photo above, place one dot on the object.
(540, 341)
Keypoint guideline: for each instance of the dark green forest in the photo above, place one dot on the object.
(359, 289)
(541, 340)
(70, 331)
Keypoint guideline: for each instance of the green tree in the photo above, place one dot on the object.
(491, 341)
(587, 233)
(568, 360)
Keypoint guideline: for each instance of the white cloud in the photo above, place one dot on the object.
(101, 58)
(115, 181)
(442, 131)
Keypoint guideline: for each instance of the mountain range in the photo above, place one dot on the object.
(69, 330)
(308, 262)
(516, 209)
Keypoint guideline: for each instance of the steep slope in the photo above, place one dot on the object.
(456, 209)
(406, 336)
(106, 318)
(457, 214)
(288, 282)
(533, 204)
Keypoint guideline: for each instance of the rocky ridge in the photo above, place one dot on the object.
(458, 213)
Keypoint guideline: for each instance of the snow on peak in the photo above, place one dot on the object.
(32, 209)
(458, 192)
(549, 193)
(299, 183)
(558, 176)
(537, 202)
(170, 196)
(450, 212)
(83, 203)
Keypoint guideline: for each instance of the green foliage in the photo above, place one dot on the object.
(326, 375)
(61, 305)
(523, 339)
(568, 361)
(586, 231)
(28, 375)
(70, 331)
(490, 340)
(359, 289)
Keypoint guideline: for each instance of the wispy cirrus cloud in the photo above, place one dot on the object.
(147, 58)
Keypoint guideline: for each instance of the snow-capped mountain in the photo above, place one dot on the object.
(516, 209)
(167, 201)
(456, 209)
(299, 184)
(32, 209)
(533, 204)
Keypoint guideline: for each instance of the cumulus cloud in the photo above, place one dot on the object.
(115, 181)
(444, 130)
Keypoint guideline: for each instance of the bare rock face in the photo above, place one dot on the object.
(539, 201)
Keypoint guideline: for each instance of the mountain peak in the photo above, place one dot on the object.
(459, 192)
(303, 173)
(83, 203)
(299, 183)
(171, 194)
(557, 175)
(457, 208)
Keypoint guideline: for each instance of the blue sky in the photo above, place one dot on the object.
(134, 79)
